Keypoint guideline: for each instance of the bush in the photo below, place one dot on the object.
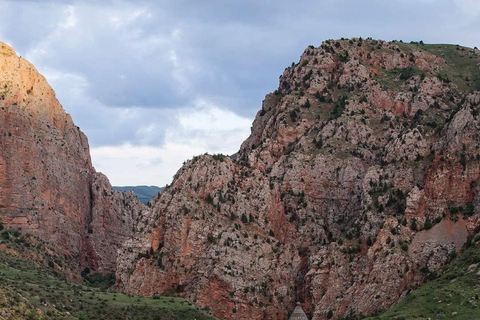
(306, 104)
(100, 280)
(413, 226)
(244, 218)
(428, 224)
(330, 314)
(293, 115)
(218, 157)
(369, 242)
(469, 209)
(338, 108)
(209, 199)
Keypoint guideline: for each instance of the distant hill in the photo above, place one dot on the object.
(144, 193)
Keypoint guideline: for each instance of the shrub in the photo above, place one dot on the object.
(338, 108)
(101, 280)
(428, 224)
(209, 199)
(219, 157)
(469, 209)
(463, 161)
(293, 115)
(369, 242)
(413, 226)
(244, 218)
(306, 104)
(330, 314)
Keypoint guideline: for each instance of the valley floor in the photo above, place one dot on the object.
(32, 292)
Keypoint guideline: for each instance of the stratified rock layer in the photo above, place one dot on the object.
(48, 186)
(359, 182)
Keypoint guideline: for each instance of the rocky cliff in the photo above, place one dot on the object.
(48, 187)
(359, 182)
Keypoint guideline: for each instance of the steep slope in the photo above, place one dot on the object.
(359, 182)
(48, 186)
(454, 295)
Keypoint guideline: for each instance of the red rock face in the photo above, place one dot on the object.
(359, 181)
(48, 186)
(343, 204)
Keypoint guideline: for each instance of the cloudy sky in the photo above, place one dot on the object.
(153, 83)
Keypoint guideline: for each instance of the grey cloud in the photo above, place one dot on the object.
(174, 52)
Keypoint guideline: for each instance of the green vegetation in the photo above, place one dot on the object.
(338, 108)
(454, 295)
(394, 79)
(44, 290)
(461, 64)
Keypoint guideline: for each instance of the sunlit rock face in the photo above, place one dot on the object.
(358, 182)
(48, 186)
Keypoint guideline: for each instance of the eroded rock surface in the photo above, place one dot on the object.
(356, 169)
(48, 186)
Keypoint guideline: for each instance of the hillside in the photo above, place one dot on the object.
(454, 295)
(143, 193)
(29, 291)
(358, 183)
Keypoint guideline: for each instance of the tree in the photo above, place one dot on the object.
(330, 314)
(369, 242)
(244, 218)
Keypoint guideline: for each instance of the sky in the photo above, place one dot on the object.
(153, 83)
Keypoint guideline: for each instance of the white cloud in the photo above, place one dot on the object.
(204, 128)
(71, 19)
(156, 82)
(469, 7)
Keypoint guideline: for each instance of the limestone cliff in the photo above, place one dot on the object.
(359, 182)
(48, 186)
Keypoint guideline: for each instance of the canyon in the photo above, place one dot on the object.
(359, 182)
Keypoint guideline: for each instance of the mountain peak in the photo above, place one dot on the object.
(334, 194)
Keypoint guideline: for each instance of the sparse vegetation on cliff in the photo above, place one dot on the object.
(454, 295)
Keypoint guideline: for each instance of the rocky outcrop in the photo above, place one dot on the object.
(48, 186)
(359, 182)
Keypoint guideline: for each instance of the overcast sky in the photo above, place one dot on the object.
(153, 83)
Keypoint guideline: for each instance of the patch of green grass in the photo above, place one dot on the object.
(454, 295)
(45, 290)
(396, 78)
(461, 63)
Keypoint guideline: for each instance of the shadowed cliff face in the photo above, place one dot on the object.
(48, 186)
(359, 182)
